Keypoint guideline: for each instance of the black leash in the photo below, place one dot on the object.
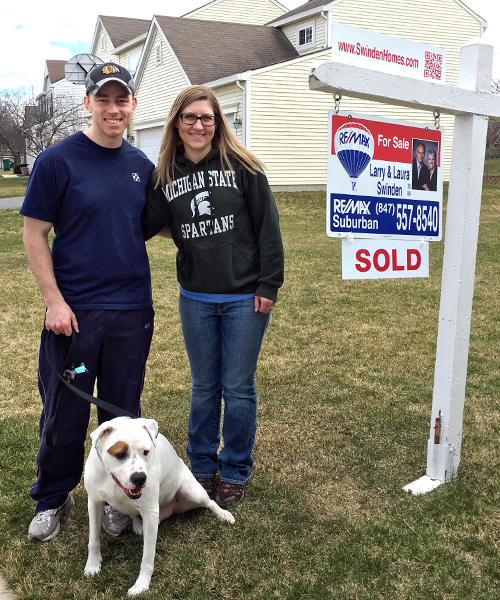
(67, 376)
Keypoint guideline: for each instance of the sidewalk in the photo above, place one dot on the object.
(11, 203)
(5, 593)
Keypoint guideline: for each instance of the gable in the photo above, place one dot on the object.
(251, 12)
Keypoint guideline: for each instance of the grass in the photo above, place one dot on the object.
(345, 387)
(494, 166)
(12, 187)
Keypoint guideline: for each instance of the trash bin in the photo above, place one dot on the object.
(6, 164)
(25, 171)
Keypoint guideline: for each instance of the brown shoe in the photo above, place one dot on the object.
(208, 484)
(229, 494)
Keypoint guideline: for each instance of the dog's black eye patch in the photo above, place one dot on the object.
(121, 455)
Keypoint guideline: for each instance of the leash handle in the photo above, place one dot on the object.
(68, 370)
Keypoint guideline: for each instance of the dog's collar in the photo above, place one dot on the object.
(98, 451)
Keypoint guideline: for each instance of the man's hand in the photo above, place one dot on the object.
(263, 305)
(59, 318)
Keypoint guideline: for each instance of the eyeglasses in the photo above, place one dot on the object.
(190, 119)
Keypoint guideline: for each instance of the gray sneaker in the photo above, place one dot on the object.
(45, 525)
(115, 522)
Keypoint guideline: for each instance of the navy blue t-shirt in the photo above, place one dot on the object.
(94, 197)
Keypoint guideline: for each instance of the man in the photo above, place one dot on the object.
(420, 172)
(91, 187)
(431, 161)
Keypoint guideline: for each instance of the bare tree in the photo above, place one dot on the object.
(493, 137)
(29, 127)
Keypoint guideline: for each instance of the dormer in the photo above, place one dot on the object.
(307, 27)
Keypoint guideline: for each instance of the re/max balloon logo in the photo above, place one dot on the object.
(354, 148)
(355, 137)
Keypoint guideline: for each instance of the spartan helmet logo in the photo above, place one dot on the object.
(203, 204)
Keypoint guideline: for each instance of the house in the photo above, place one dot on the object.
(260, 73)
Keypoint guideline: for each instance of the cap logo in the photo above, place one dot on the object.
(109, 69)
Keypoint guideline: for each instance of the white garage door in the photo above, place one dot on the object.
(149, 140)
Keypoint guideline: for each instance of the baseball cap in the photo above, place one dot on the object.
(102, 74)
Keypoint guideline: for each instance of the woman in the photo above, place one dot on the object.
(213, 196)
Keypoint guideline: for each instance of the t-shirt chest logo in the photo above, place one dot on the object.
(135, 177)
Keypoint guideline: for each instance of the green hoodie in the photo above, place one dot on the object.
(225, 225)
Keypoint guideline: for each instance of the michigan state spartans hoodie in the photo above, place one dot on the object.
(225, 225)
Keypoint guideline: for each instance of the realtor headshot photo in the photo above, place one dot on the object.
(424, 165)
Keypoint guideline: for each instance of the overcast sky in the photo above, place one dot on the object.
(33, 31)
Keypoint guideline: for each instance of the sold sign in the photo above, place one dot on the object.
(384, 259)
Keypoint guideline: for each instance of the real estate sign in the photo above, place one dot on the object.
(384, 179)
(379, 52)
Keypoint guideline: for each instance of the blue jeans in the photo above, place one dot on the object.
(223, 343)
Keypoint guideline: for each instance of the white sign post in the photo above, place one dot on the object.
(472, 104)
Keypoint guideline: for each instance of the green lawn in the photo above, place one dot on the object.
(494, 166)
(12, 187)
(345, 389)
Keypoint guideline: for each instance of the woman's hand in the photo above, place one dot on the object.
(263, 305)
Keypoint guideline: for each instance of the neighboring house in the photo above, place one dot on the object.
(58, 113)
(260, 73)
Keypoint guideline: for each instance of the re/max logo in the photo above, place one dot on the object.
(355, 137)
(344, 207)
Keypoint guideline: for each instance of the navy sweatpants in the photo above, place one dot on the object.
(114, 346)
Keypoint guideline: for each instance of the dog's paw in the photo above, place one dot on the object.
(141, 585)
(92, 567)
(137, 526)
(227, 517)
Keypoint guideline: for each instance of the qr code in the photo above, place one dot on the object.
(433, 65)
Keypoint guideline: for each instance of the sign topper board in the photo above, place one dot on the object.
(384, 259)
(379, 52)
(384, 179)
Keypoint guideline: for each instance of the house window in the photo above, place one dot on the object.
(133, 61)
(306, 36)
(158, 53)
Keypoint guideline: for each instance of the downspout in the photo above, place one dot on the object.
(326, 27)
(243, 111)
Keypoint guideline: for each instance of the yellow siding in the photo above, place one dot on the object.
(445, 24)
(254, 12)
(292, 33)
(159, 85)
(106, 53)
(231, 95)
(289, 124)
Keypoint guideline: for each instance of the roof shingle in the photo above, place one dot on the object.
(124, 29)
(55, 69)
(210, 50)
(300, 9)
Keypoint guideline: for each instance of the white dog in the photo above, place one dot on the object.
(136, 470)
